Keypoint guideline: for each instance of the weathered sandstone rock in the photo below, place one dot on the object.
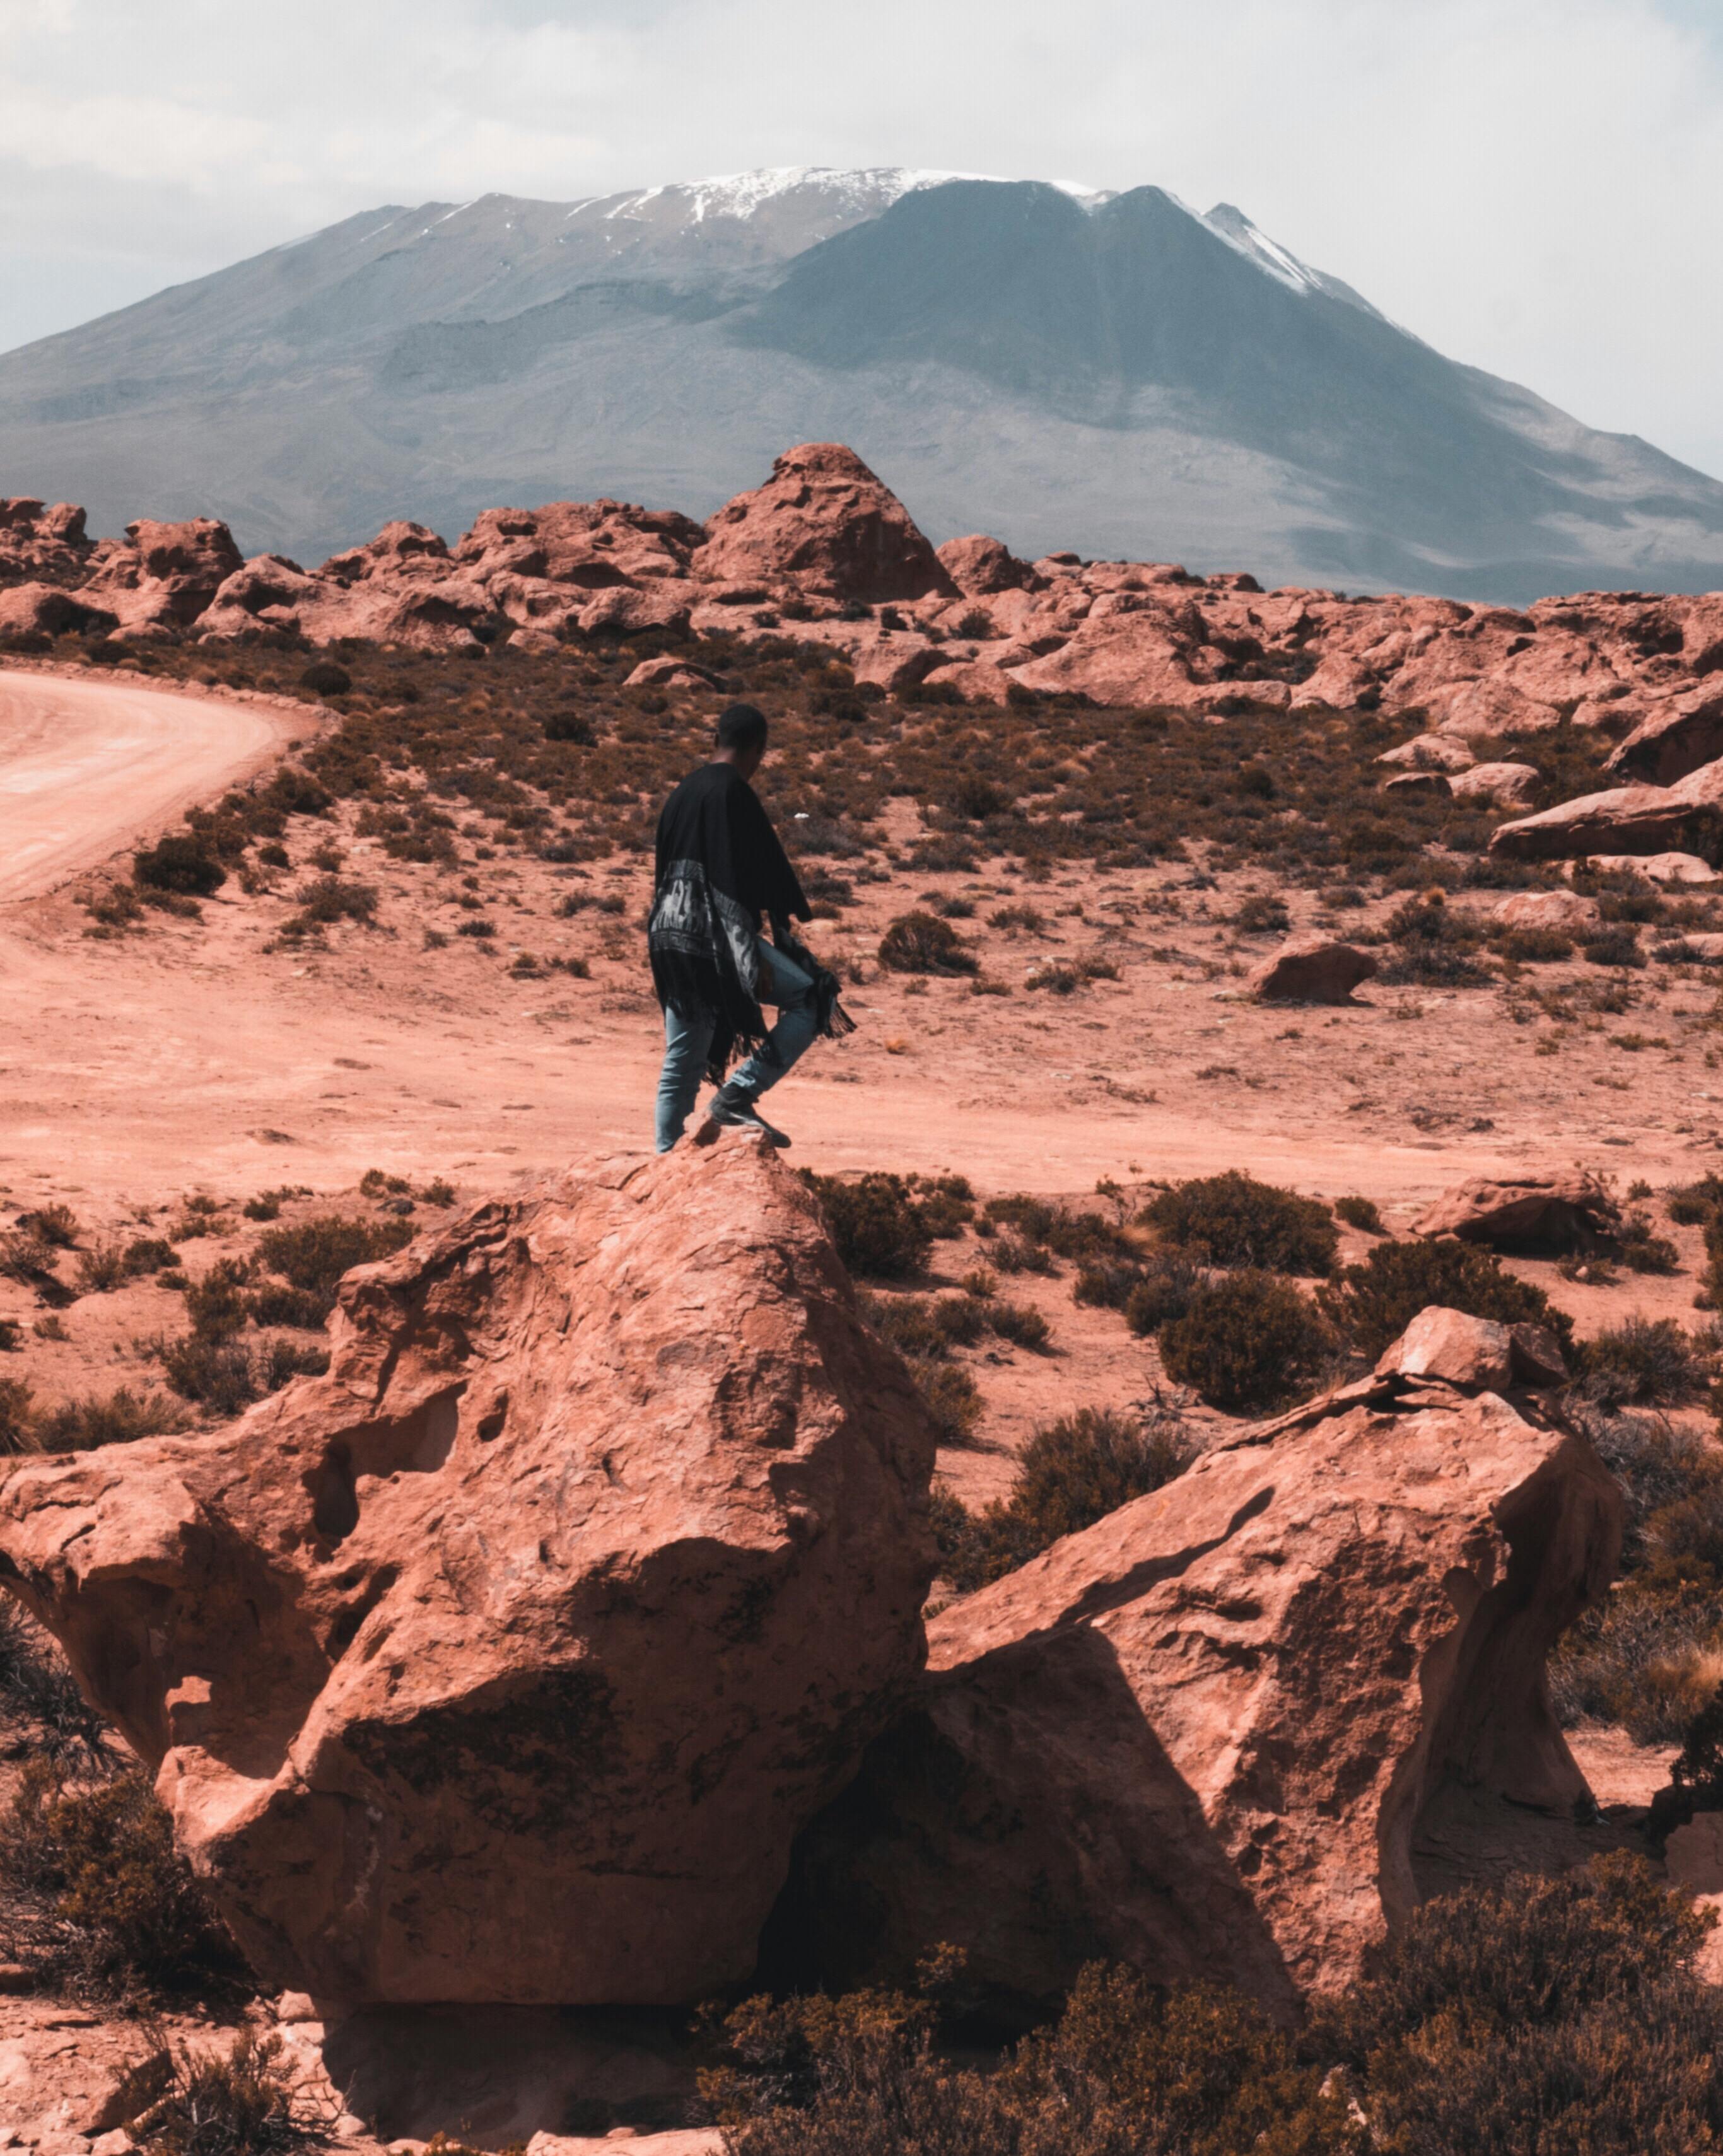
(1684, 818)
(1678, 737)
(1503, 785)
(1473, 1352)
(502, 1663)
(39, 544)
(48, 610)
(1310, 969)
(165, 576)
(1565, 911)
(825, 523)
(979, 566)
(1655, 868)
(1242, 1726)
(591, 544)
(1551, 1212)
(1430, 752)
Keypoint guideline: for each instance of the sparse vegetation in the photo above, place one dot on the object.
(923, 943)
(1371, 1304)
(1232, 1219)
(1361, 1212)
(1248, 1340)
(242, 2101)
(314, 1255)
(1071, 1473)
(881, 1230)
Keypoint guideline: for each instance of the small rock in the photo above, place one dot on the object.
(116, 2142)
(1311, 969)
(293, 2006)
(1507, 785)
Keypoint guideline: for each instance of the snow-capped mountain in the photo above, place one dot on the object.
(1061, 366)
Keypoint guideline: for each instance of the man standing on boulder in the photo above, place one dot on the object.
(720, 868)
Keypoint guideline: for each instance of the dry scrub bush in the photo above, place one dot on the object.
(1248, 1340)
(881, 1230)
(1371, 1304)
(1361, 1212)
(182, 864)
(1643, 1362)
(96, 1899)
(41, 1707)
(1651, 1657)
(1232, 1219)
(923, 943)
(1434, 945)
(239, 2102)
(1072, 1473)
(314, 1255)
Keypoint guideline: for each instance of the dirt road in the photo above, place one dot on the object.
(85, 767)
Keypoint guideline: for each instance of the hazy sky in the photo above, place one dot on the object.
(1535, 186)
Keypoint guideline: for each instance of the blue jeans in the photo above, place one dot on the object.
(688, 1043)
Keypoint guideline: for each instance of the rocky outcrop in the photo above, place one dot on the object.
(1310, 969)
(1684, 818)
(824, 521)
(48, 610)
(1564, 912)
(40, 545)
(1546, 1215)
(163, 576)
(503, 1662)
(825, 550)
(1497, 785)
(1239, 1728)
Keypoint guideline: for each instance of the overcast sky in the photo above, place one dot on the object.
(1535, 186)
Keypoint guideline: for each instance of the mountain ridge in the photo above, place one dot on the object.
(1108, 369)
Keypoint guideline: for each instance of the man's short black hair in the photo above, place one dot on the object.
(741, 726)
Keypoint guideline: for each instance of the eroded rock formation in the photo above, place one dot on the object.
(502, 1663)
(1241, 1726)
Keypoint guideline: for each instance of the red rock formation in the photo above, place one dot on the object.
(503, 1662)
(164, 576)
(824, 523)
(1549, 1213)
(42, 545)
(50, 610)
(1239, 1727)
(592, 544)
(1310, 969)
(979, 566)
(1686, 816)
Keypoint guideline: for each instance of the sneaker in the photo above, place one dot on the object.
(736, 1115)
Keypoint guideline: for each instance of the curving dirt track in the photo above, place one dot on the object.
(85, 767)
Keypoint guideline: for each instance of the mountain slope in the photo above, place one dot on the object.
(1110, 371)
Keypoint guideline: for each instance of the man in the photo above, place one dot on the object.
(720, 868)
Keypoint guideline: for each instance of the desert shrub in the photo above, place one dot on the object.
(1361, 1212)
(1647, 1362)
(923, 943)
(219, 1375)
(103, 1903)
(1434, 943)
(947, 1203)
(1691, 1204)
(1372, 1303)
(1021, 1324)
(98, 1419)
(182, 863)
(881, 1230)
(1127, 2070)
(16, 1422)
(1013, 1254)
(149, 1253)
(216, 1303)
(1533, 947)
(1651, 1654)
(1261, 914)
(950, 1397)
(56, 1225)
(1235, 1221)
(1641, 1251)
(276, 1303)
(327, 677)
(1164, 1288)
(330, 898)
(244, 2101)
(1072, 1473)
(1246, 1341)
(1560, 2016)
(926, 1325)
(1614, 944)
(313, 1255)
(39, 1697)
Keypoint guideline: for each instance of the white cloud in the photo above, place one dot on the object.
(1535, 185)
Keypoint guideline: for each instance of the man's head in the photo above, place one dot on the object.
(741, 737)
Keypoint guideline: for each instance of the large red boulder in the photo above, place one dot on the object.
(1684, 818)
(1241, 1727)
(503, 1662)
(979, 566)
(1545, 1214)
(825, 524)
(48, 610)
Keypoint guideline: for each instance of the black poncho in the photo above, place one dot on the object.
(720, 868)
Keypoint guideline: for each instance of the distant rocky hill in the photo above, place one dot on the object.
(1113, 373)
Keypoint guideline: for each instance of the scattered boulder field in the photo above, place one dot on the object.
(824, 549)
